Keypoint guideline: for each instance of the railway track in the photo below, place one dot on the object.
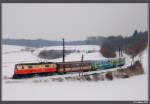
(7, 79)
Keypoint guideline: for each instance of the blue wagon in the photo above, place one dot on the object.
(107, 63)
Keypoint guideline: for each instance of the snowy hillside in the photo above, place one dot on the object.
(78, 51)
(73, 47)
(133, 88)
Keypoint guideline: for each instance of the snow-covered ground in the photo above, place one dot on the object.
(133, 88)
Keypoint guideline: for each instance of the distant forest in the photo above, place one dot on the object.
(40, 42)
(133, 45)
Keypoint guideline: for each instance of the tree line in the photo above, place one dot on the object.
(131, 45)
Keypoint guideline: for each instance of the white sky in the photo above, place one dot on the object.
(73, 21)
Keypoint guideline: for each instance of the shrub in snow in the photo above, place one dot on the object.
(82, 78)
(46, 80)
(74, 78)
(121, 73)
(102, 77)
(116, 73)
(79, 78)
(124, 75)
(37, 81)
(53, 79)
(87, 77)
(135, 69)
(138, 69)
(16, 81)
(58, 79)
(109, 75)
(5, 77)
(97, 76)
(68, 78)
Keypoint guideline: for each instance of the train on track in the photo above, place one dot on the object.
(25, 70)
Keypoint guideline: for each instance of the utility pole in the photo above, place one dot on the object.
(119, 52)
(82, 64)
(120, 55)
(63, 50)
(63, 54)
(81, 71)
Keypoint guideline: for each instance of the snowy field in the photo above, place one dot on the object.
(133, 88)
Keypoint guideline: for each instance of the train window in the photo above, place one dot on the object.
(46, 65)
(86, 64)
(30, 66)
(62, 65)
(67, 65)
(54, 66)
(36, 66)
(42, 66)
(109, 61)
(73, 65)
(77, 65)
(97, 62)
(83, 64)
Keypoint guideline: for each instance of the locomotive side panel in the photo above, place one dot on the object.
(32, 69)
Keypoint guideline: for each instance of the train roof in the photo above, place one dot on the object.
(63, 62)
(51, 62)
(35, 63)
(72, 62)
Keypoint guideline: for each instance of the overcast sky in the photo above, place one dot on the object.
(73, 21)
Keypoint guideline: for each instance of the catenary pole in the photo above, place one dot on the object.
(63, 54)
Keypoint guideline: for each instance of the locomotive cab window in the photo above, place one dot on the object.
(18, 67)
